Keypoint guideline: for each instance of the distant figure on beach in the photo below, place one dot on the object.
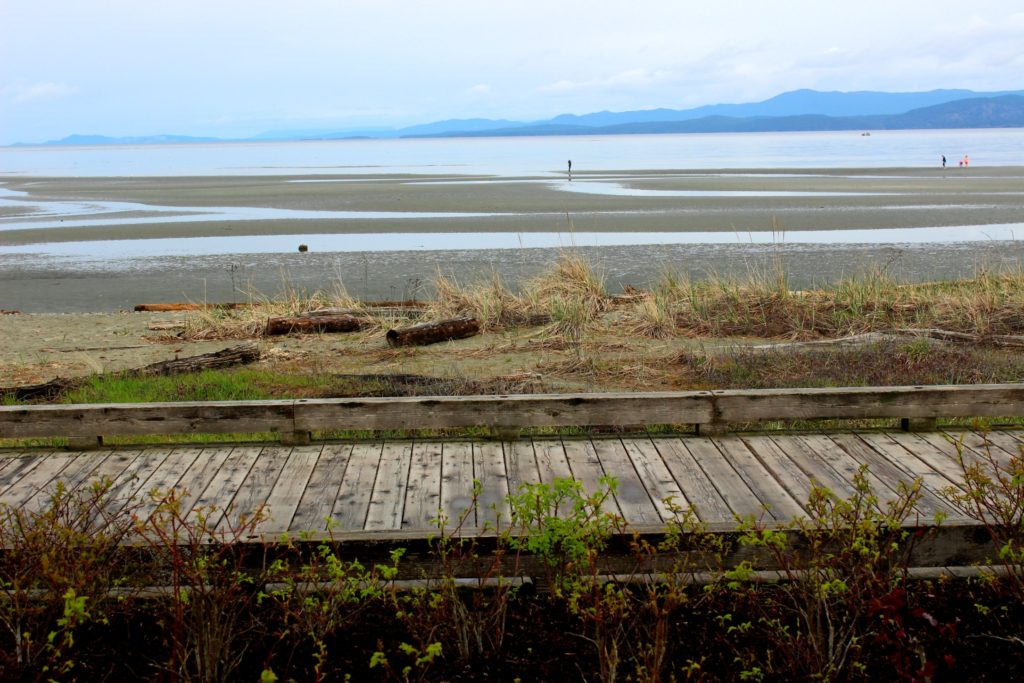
(943, 161)
(570, 169)
(961, 162)
(967, 161)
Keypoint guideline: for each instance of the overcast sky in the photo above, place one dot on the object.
(231, 68)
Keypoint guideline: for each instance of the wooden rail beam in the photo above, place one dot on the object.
(710, 410)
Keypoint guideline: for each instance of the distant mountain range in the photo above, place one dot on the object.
(798, 110)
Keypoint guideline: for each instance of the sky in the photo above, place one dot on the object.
(236, 68)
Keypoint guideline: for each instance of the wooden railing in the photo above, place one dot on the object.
(710, 411)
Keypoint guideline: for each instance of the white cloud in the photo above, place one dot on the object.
(630, 78)
(480, 89)
(39, 92)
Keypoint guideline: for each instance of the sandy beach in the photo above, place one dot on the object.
(740, 203)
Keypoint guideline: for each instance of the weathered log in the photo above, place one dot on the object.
(320, 323)
(49, 391)
(173, 308)
(433, 332)
(394, 311)
(235, 355)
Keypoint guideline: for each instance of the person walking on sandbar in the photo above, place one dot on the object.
(943, 161)
(570, 170)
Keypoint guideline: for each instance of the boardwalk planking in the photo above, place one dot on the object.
(254, 490)
(883, 458)
(37, 479)
(457, 477)
(551, 461)
(423, 492)
(735, 492)
(70, 478)
(634, 501)
(387, 505)
(317, 500)
(587, 469)
(401, 486)
(700, 493)
(353, 502)
(780, 467)
(164, 479)
(767, 489)
(520, 464)
(489, 470)
(664, 491)
(848, 467)
(283, 500)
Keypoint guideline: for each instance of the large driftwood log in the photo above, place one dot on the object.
(433, 332)
(319, 323)
(48, 391)
(235, 355)
(172, 308)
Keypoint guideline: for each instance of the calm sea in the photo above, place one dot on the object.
(525, 156)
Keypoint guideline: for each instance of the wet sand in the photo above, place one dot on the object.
(734, 201)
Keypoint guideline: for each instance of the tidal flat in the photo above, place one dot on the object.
(103, 244)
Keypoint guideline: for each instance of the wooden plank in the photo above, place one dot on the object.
(130, 486)
(255, 489)
(36, 479)
(847, 467)
(283, 500)
(759, 479)
(735, 492)
(520, 464)
(906, 457)
(699, 491)
(883, 458)
(70, 476)
(781, 467)
(489, 470)
(661, 486)
(817, 470)
(1007, 441)
(423, 490)
(351, 507)
(164, 479)
(535, 410)
(700, 407)
(387, 505)
(992, 400)
(457, 477)
(20, 468)
(198, 487)
(982, 444)
(113, 467)
(316, 504)
(551, 461)
(127, 419)
(587, 469)
(932, 457)
(630, 493)
(220, 493)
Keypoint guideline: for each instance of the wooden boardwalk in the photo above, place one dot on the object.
(401, 487)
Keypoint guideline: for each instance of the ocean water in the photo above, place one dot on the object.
(525, 156)
(100, 274)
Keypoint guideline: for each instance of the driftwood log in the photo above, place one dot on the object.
(172, 308)
(433, 332)
(48, 391)
(235, 355)
(318, 323)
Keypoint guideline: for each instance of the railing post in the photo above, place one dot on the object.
(918, 424)
(84, 443)
(297, 438)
